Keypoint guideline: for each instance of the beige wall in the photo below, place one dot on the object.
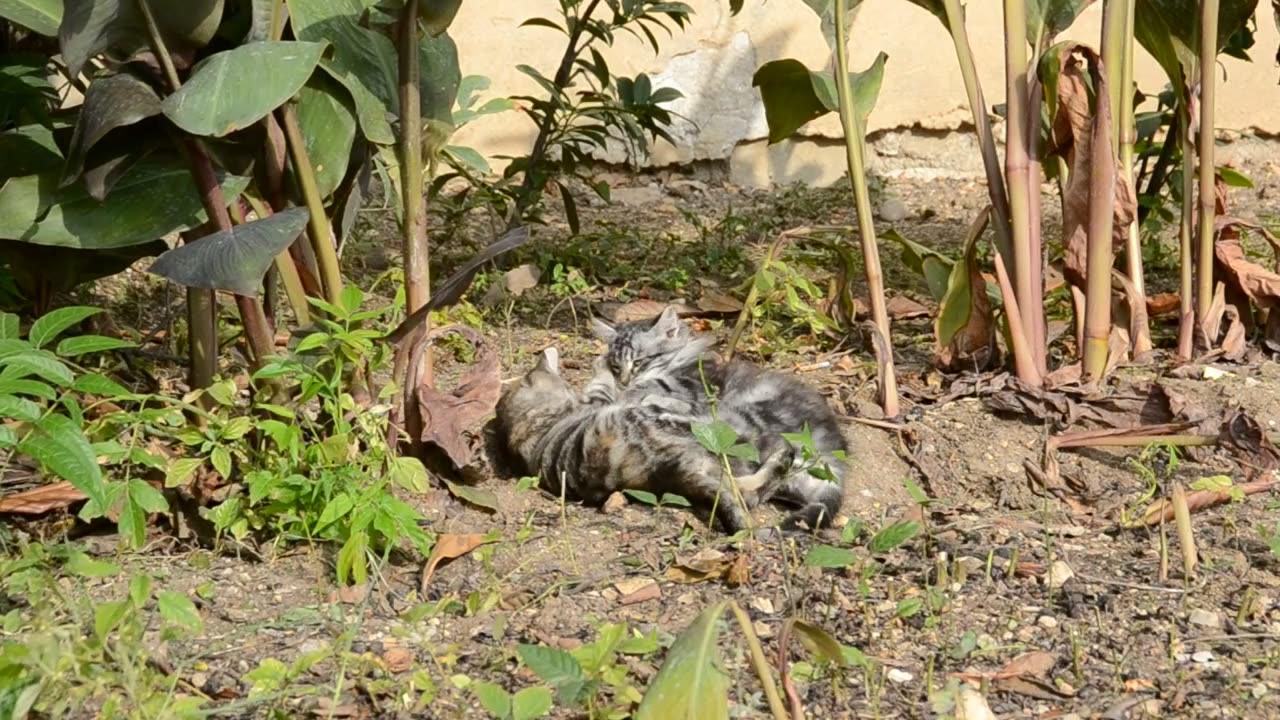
(713, 60)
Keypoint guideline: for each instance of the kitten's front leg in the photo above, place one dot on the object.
(602, 389)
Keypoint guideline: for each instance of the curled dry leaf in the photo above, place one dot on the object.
(1074, 132)
(448, 547)
(40, 500)
(641, 310)
(716, 302)
(451, 420)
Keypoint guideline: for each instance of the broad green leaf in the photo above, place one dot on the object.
(744, 451)
(181, 471)
(12, 406)
(28, 150)
(22, 386)
(337, 508)
(52, 324)
(177, 609)
(96, 384)
(956, 308)
(551, 665)
(85, 344)
(351, 559)
(894, 536)
(116, 27)
(494, 699)
(643, 496)
(59, 444)
(716, 436)
(469, 157)
(41, 16)
(328, 121)
(530, 703)
(9, 326)
(437, 15)
(1170, 31)
(230, 90)
(233, 260)
(440, 76)
(1046, 19)
(676, 500)
(794, 96)
(220, 458)
(828, 556)
(107, 615)
(157, 197)
(364, 60)
(819, 641)
(692, 684)
(409, 473)
(111, 102)
(81, 565)
(25, 364)
(147, 498)
(826, 12)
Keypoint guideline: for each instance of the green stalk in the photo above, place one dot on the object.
(318, 224)
(1037, 332)
(1186, 306)
(1208, 55)
(414, 224)
(1101, 256)
(1017, 168)
(981, 121)
(854, 144)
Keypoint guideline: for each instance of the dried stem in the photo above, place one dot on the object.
(414, 219)
(1186, 296)
(1208, 55)
(1101, 255)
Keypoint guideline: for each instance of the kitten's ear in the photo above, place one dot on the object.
(549, 361)
(602, 329)
(668, 323)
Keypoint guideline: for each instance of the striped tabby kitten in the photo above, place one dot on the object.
(656, 364)
(588, 448)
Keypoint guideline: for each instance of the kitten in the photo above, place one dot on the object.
(660, 363)
(588, 447)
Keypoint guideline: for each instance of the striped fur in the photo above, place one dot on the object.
(661, 363)
(588, 446)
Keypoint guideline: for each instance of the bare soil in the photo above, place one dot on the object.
(1123, 642)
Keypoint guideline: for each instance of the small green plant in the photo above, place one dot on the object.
(1271, 536)
(324, 471)
(652, 500)
(61, 653)
(594, 676)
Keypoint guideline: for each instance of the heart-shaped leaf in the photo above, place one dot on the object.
(233, 260)
(794, 96)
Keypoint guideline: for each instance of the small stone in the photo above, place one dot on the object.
(892, 209)
(686, 189)
(616, 502)
(609, 594)
(311, 646)
(637, 590)
(762, 630)
(199, 680)
(1204, 618)
(1259, 690)
(1059, 573)
(1213, 373)
(634, 196)
(972, 706)
(899, 676)
(1047, 621)
(688, 598)
(398, 659)
(1202, 657)
(763, 605)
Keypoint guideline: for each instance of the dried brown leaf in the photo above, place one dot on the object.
(641, 310)
(714, 301)
(901, 307)
(40, 500)
(451, 420)
(448, 547)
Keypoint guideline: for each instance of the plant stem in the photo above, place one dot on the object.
(318, 224)
(1017, 168)
(1186, 305)
(414, 218)
(854, 144)
(1023, 360)
(1037, 333)
(1101, 254)
(1208, 56)
(982, 123)
(758, 659)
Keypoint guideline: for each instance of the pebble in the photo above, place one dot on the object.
(763, 605)
(899, 676)
(1259, 690)
(1205, 618)
(1059, 573)
(1047, 621)
(1202, 657)
(892, 209)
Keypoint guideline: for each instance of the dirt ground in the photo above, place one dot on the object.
(1005, 567)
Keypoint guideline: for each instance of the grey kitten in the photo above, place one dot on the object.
(660, 363)
(589, 447)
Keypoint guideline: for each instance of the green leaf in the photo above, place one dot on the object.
(111, 102)
(716, 436)
(181, 471)
(819, 641)
(19, 409)
(909, 607)
(1046, 19)
(744, 451)
(828, 556)
(205, 106)
(233, 260)
(826, 12)
(552, 665)
(691, 685)
(220, 458)
(494, 699)
(469, 158)
(794, 96)
(81, 565)
(409, 473)
(337, 508)
(116, 27)
(351, 559)
(917, 493)
(1170, 31)
(237, 428)
(34, 388)
(643, 496)
(474, 495)
(350, 299)
(147, 498)
(85, 344)
(437, 15)
(29, 149)
(530, 703)
(41, 16)
(44, 330)
(894, 536)
(107, 615)
(22, 365)
(674, 500)
(9, 326)
(327, 117)
(177, 609)
(155, 198)
(440, 76)
(96, 384)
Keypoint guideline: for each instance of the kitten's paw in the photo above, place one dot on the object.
(782, 460)
(807, 519)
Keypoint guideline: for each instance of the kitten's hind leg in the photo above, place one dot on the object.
(761, 485)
